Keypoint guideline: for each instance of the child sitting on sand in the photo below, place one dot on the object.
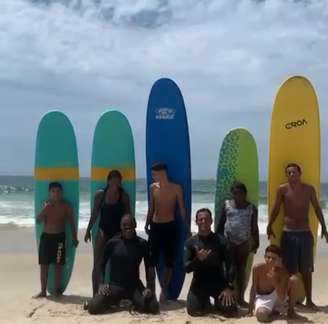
(271, 286)
(52, 242)
(239, 225)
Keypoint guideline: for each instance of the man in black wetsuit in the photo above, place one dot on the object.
(125, 253)
(207, 256)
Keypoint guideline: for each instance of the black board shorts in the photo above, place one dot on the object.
(162, 240)
(297, 251)
(52, 249)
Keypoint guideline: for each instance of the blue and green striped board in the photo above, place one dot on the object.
(238, 161)
(56, 159)
(113, 148)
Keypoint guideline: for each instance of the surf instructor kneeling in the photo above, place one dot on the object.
(125, 253)
(297, 239)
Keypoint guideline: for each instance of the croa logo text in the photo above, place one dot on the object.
(165, 113)
(297, 123)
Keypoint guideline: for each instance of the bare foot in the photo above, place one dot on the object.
(311, 305)
(41, 294)
(162, 297)
(291, 314)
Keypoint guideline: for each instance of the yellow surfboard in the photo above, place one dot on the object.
(294, 137)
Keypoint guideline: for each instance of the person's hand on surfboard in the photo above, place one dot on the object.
(324, 234)
(75, 242)
(270, 232)
(87, 237)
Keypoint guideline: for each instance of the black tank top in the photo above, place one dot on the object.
(111, 215)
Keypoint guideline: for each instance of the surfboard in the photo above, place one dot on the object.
(112, 149)
(294, 137)
(238, 161)
(56, 159)
(167, 140)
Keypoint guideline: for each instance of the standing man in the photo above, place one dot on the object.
(208, 257)
(161, 227)
(297, 239)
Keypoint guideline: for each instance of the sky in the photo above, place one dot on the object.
(228, 57)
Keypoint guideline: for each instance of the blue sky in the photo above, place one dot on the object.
(84, 56)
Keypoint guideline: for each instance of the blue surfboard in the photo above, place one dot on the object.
(167, 140)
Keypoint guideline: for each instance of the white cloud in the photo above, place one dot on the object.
(228, 57)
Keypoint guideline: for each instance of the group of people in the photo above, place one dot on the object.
(218, 259)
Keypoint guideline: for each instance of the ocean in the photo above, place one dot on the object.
(17, 204)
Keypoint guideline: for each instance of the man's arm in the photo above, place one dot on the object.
(71, 221)
(191, 261)
(222, 221)
(42, 215)
(126, 203)
(280, 282)
(255, 230)
(318, 212)
(182, 207)
(230, 270)
(151, 209)
(275, 211)
(149, 269)
(106, 255)
(94, 214)
(252, 293)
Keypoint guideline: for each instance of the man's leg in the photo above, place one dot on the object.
(169, 250)
(197, 303)
(145, 305)
(294, 281)
(100, 304)
(44, 281)
(241, 256)
(97, 259)
(306, 265)
(58, 289)
(307, 280)
(167, 276)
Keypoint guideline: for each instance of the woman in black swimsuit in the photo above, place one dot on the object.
(111, 203)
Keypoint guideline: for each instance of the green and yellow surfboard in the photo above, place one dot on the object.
(56, 159)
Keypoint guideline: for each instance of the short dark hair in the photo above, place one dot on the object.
(53, 185)
(273, 249)
(203, 210)
(240, 186)
(159, 166)
(114, 174)
(293, 165)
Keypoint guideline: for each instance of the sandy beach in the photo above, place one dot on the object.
(20, 281)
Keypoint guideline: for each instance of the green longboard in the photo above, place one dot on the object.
(238, 161)
(56, 159)
(113, 148)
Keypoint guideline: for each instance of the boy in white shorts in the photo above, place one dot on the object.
(272, 288)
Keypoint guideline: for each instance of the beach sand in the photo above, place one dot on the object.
(19, 281)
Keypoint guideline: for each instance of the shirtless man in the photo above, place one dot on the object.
(54, 215)
(271, 286)
(297, 240)
(160, 223)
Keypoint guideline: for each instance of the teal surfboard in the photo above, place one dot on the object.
(56, 159)
(113, 149)
(238, 161)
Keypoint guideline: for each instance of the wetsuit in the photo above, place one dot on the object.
(211, 276)
(111, 215)
(125, 257)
